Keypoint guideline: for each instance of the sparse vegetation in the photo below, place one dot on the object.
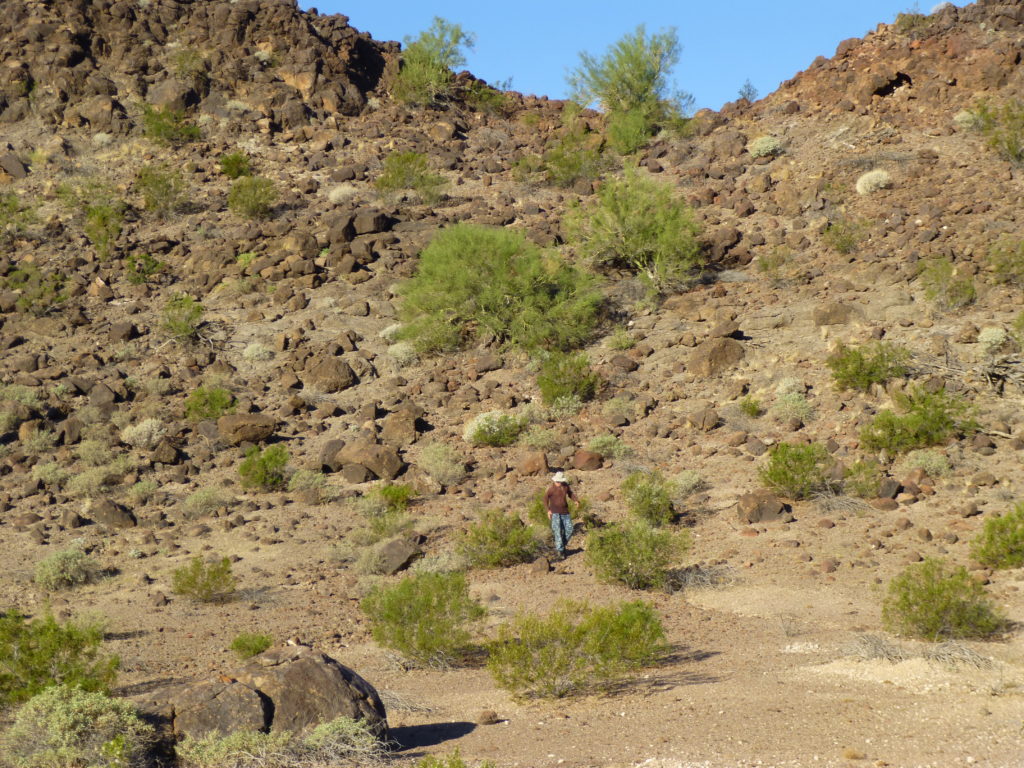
(1001, 542)
(182, 317)
(863, 479)
(264, 470)
(945, 285)
(208, 402)
(410, 170)
(1003, 128)
(39, 292)
(141, 268)
(249, 644)
(565, 374)
(872, 181)
(442, 463)
(609, 447)
(66, 569)
(843, 235)
(235, 165)
(751, 406)
(860, 367)
(252, 197)
(498, 540)
(1006, 259)
(167, 126)
(928, 418)
(15, 217)
(204, 582)
(204, 501)
(635, 554)
(145, 435)
(428, 61)
(494, 428)
(162, 188)
(385, 509)
(764, 146)
(797, 471)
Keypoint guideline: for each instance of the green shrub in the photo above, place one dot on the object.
(167, 126)
(442, 463)
(145, 435)
(140, 268)
(66, 569)
(1003, 128)
(750, 406)
(424, 617)
(494, 428)
(911, 23)
(797, 471)
(945, 286)
(39, 292)
(15, 217)
(575, 648)
(609, 447)
(860, 367)
(314, 483)
(182, 317)
(639, 224)
(1006, 258)
(843, 235)
(94, 452)
(410, 170)
(628, 132)
(189, 65)
(40, 653)
(204, 582)
(103, 225)
(771, 264)
(208, 403)
(428, 61)
(475, 282)
(234, 165)
(249, 644)
(789, 406)
(264, 469)
(162, 188)
(635, 554)
(929, 418)
(934, 601)
(571, 158)
(863, 479)
(1001, 542)
(66, 727)
(564, 374)
(252, 197)
(649, 497)
(204, 501)
(498, 540)
(484, 98)
(621, 339)
(764, 146)
(385, 509)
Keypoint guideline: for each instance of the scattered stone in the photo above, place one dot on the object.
(587, 461)
(238, 428)
(760, 506)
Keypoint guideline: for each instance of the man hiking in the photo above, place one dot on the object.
(556, 502)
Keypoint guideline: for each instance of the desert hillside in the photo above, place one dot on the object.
(206, 248)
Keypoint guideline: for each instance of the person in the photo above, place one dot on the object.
(556, 502)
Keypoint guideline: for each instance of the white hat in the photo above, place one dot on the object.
(559, 477)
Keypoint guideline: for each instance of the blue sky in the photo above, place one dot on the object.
(723, 42)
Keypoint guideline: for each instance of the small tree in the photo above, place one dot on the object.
(428, 61)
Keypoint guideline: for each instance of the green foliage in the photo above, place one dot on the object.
(208, 403)
(649, 497)
(639, 224)
(945, 286)
(621, 339)
(565, 374)
(633, 77)
(628, 132)
(484, 98)
(576, 648)
(609, 447)
(141, 268)
(494, 428)
(843, 235)
(454, 760)
(103, 225)
(167, 126)
(1006, 258)
(410, 170)
(189, 65)
(635, 554)
(796, 471)
(934, 601)
(474, 282)
(252, 197)
(498, 540)
(15, 217)
(66, 727)
(428, 61)
(442, 463)
(929, 418)
(249, 644)
(751, 406)
(748, 91)
(42, 652)
(385, 509)
(1001, 542)
(65, 569)
(1003, 128)
(575, 156)
(911, 23)
(264, 469)
(860, 367)
(182, 317)
(38, 292)
(424, 617)
(863, 479)
(204, 582)
(772, 263)
(764, 146)
(234, 165)
(162, 188)
(791, 405)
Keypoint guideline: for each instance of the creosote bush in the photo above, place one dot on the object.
(575, 648)
(249, 644)
(427, 62)
(874, 363)
(476, 282)
(264, 470)
(442, 463)
(410, 170)
(494, 428)
(252, 197)
(564, 374)
(928, 418)
(1003, 128)
(234, 165)
(66, 569)
(1001, 542)
(635, 554)
(208, 402)
(167, 126)
(649, 497)
(843, 235)
(385, 509)
(863, 479)
(945, 285)
(935, 601)
(498, 540)
(609, 447)
(424, 617)
(797, 471)
(182, 317)
(1006, 258)
(204, 582)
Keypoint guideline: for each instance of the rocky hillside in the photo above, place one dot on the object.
(105, 445)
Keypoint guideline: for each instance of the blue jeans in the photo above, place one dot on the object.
(561, 526)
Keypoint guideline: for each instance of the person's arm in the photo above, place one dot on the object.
(547, 502)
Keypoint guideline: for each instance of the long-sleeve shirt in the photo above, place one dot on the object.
(556, 498)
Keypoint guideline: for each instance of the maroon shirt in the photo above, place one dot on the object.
(556, 498)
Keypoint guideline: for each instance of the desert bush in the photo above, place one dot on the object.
(442, 463)
(182, 317)
(872, 181)
(252, 197)
(641, 225)
(935, 601)
(141, 268)
(264, 470)
(385, 509)
(427, 63)
(314, 481)
(424, 617)
(66, 727)
(249, 644)
(944, 285)
(750, 406)
(498, 540)
(494, 428)
(454, 760)
(103, 225)
(575, 648)
(628, 132)
(475, 282)
(539, 438)
(144, 435)
(66, 569)
(15, 217)
(860, 367)
(167, 126)
(843, 235)
(50, 473)
(635, 554)
(1001, 542)
(91, 482)
(235, 165)
(162, 188)
(1006, 259)
(764, 146)
(485, 98)
(410, 170)
(771, 264)
(142, 491)
(204, 582)
(687, 482)
(863, 479)
(791, 405)
(649, 497)
(39, 292)
(574, 156)
(928, 418)
(42, 652)
(208, 403)
(566, 374)
(621, 339)
(993, 339)
(256, 352)
(94, 452)
(204, 501)
(796, 471)
(1003, 128)
(609, 447)
(911, 23)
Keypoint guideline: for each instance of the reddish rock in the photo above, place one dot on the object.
(587, 460)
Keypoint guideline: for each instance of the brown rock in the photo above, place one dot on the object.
(218, 707)
(396, 555)
(759, 506)
(714, 356)
(105, 512)
(533, 463)
(587, 460)
(383, 461)
(330, 375)
(832, 313)
(238, 428)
